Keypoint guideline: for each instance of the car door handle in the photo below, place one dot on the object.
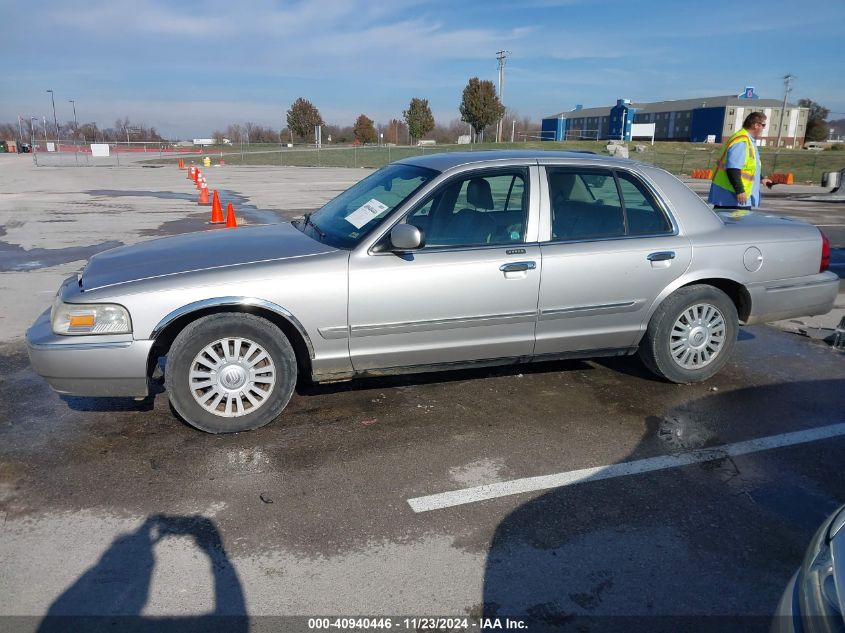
(517, 267)
(661, 256)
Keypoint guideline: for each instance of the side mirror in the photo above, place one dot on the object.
(406, 237)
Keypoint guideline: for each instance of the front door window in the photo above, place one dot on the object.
(487, 208)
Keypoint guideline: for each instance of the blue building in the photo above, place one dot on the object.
(705, 119)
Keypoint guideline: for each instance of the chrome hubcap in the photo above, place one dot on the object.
(232, 377)
(697, 336)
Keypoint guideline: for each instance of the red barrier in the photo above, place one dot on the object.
(114, 149)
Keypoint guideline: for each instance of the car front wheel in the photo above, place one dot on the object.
(691, 334)
(230, 372)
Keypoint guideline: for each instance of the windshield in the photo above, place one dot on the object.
(344, 221)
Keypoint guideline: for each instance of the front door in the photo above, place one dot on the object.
(469, 294)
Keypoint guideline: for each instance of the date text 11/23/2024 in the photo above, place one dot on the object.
(417, 623)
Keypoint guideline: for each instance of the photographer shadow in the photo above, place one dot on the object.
(112, 594)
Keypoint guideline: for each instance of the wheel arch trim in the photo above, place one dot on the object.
(241, 302)
(742, 300)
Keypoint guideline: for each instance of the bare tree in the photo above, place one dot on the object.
(235, 133)
(397, 132)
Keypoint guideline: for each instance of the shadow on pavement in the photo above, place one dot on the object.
(709, 546)
(112, 595)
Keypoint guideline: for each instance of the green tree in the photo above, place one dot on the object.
(419, 118)
(480, 105)
(816, 124)
(363, 130)
(303, 117)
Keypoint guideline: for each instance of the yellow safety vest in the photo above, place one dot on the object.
(749, 169)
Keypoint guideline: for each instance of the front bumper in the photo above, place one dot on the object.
(109, 365)
(788, 298)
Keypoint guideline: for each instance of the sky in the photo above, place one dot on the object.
(189, 68)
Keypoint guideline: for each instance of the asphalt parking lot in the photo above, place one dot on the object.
(588, 518)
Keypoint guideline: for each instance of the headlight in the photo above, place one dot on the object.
(90, 318)
(819, 603)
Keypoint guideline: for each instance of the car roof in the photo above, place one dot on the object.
(445, 161)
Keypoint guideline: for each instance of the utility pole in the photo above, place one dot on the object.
(501, 56)
(55, 120)
(75, 124)
(787, 88)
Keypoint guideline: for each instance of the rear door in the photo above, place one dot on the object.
(610, 248)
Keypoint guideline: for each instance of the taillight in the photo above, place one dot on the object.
(825, 263)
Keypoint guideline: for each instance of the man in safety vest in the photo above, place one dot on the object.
(736, 183)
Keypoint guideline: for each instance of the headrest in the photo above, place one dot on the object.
(562, 185)
(479, 194)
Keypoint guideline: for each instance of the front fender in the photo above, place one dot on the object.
(241, 303)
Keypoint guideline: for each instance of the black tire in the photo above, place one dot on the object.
(280, 364)
(656, 347)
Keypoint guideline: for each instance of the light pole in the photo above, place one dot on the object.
(75, 124)
(32, 131)
(787, 88)
(55, 120)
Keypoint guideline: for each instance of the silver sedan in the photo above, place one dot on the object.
(430, 263)
(814, 599)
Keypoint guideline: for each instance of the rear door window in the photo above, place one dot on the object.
(585, 205)
(602, 204)
(644, 214)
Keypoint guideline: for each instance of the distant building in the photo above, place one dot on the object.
(696, 120)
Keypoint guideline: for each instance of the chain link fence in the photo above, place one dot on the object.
(807, 166)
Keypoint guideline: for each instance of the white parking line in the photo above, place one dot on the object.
(622, 469)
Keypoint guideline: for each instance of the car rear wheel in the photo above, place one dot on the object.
(230, 372)
(691, 334)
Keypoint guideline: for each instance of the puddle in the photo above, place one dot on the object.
(14, 258)
(162, 195)
(683, 434)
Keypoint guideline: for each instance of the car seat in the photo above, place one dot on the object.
(469, 225)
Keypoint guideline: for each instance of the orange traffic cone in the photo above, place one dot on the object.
(222, 162)
(216, 210)
(181, 163)
(231, 220)
(203, 199)
(191, 172)
(196, 175)
(200, 182)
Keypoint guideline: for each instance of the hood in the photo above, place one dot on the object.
(197, 251)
